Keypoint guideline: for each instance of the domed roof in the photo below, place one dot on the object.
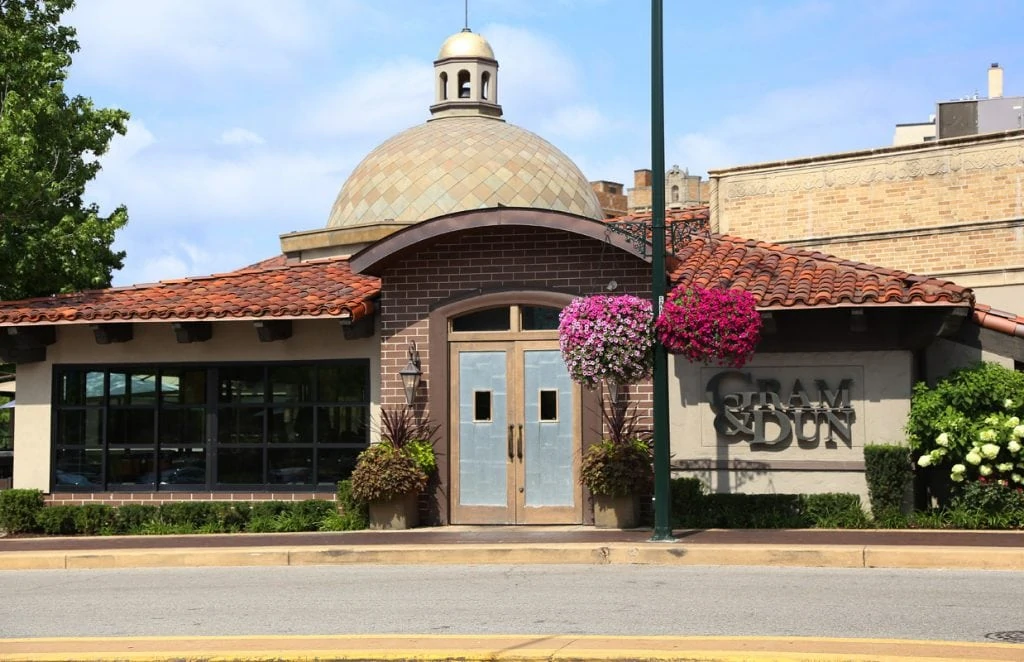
(465, 44)
(455, 164)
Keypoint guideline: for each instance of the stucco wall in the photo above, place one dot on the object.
(879, 394)
(155, 343)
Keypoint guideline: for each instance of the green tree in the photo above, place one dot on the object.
(50, 240)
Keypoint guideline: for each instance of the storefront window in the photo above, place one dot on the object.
(162, 428)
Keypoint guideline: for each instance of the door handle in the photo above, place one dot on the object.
(520, 447)
(511, 453)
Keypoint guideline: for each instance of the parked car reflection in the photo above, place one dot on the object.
(68, 478)
(177, 476)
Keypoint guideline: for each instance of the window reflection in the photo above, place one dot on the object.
(160, 427)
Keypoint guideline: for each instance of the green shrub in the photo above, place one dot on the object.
(350, 514)
(888, 471)
(18, 510)
(384, 472)
(687, 502)
(132, 518)
(835, 511)
(751, 511)
(58, 520)
(228, 516)
(987, 505)
(95, 519)
(617, 468)
(891, 519)
(265, 509)
(965, 425)
(306, 515)
(422, 453)
(158, 528)
(192, 514)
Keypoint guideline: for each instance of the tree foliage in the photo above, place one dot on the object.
(50, 240)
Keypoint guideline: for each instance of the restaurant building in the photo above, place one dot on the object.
(446, 259)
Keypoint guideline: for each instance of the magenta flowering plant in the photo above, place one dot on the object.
(710, 325)
(607, 338)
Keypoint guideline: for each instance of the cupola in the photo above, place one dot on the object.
(465, 78)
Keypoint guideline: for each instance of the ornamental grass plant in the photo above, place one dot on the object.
(401, 463)
(621, 463)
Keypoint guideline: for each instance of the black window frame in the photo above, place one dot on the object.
(351, 405)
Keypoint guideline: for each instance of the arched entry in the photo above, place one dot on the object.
(514, 416)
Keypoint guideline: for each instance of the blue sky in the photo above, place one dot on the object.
(248, 115)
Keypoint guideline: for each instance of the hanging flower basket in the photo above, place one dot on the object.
(607, 338)
(710, 325)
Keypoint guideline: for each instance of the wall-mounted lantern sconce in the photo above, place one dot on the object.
(410, 374)
(613, 391)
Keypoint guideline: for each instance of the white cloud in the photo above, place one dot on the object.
(577, 122)
(240, 136)
(124, 148)
(791, 123)
(536, 74)
(144, 41)
(390, 97)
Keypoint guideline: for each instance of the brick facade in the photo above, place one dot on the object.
(485, 260)
(157, 498)
(954, 208)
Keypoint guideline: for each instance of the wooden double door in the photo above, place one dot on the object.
(515, 434)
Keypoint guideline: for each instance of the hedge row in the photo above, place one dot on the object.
(977, 506)
(693, 508)
(24, 511)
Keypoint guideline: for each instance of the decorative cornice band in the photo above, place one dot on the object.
(888, 235)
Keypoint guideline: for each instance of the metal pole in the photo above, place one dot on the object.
(662, 497)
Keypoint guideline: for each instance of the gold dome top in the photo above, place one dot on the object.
(455, 164)
(465, 44)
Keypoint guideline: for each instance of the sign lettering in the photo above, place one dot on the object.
(754, 407)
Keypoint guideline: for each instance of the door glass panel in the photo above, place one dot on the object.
(493, 319)
(548, 405)
(482, 458)
(549, 443)
(481, 406)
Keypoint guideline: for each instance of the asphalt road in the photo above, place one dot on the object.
(612, 600)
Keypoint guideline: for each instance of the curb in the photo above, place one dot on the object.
(498, 647)
(677, 554)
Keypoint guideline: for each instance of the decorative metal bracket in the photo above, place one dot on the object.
(678, 232)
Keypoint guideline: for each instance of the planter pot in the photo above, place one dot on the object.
(615, 512)
(398, 513)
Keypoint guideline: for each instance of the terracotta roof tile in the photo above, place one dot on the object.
(998, 320)
(784, 277)
(319, 288)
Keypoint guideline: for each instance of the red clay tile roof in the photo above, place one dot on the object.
(784, 277)
(318, 288)
(777, 276)
(276, 261)
(998, 320)
(689, 214)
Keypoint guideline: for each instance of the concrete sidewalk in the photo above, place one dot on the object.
(530, 545)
